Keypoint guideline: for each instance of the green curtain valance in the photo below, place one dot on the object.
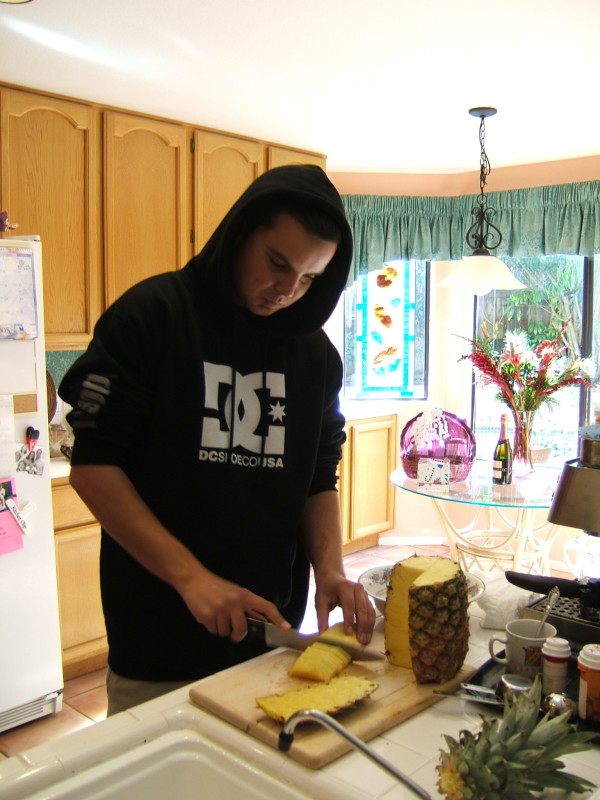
(548, 220)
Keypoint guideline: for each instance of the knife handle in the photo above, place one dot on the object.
(256, 627)
(543, 583)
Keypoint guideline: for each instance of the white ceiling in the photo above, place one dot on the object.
(377, 85)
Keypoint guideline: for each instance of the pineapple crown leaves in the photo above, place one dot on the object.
(514, 756)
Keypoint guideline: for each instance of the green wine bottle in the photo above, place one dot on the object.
(502, 473)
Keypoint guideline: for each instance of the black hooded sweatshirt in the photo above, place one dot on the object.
(225, 422)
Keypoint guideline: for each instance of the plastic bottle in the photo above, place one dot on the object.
(589, 682)
(556, 653)
(502, 473)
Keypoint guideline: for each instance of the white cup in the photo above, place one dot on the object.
(523, 647)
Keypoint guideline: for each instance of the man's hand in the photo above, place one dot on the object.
(222, 607)
(359, 613)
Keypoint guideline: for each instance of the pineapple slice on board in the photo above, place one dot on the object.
(320, 662)
(337, 632)
(340, 693)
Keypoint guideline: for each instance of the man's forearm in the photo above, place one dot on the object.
(117, 506)
(322, 532)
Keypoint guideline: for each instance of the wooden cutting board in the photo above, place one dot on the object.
(231, 695)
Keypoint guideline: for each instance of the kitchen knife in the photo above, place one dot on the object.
(275, 637)
(488, 699)
(587, 590)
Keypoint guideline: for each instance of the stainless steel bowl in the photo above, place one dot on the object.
(510, 686)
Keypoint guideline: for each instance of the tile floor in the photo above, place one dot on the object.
(84, 699)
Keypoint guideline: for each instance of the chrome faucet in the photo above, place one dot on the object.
(286, 737)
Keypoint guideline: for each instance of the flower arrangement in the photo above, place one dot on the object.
(527, 378)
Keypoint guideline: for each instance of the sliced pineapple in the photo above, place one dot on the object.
(337, 632)
(320, 662)
(341, 692)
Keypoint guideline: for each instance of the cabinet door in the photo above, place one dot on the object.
(281, 156)
(224, 167)
(83, 635)
(50, 185)
(373, 459)
(147, 200)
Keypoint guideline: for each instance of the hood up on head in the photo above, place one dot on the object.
(303, 184)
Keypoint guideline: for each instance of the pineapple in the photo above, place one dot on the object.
(341, 692)
(512, 757)
(426, 622)
(337, 631)
(320, 662)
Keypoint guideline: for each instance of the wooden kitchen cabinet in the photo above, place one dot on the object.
(367, 495)
(51, 185)
(147, 199)
(77, 545)
(224, 167)
(282, 156)
(115, 196)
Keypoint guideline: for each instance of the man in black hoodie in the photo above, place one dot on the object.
(207, 438)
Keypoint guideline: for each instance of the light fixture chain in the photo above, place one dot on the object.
(484, 163)
(483, 235)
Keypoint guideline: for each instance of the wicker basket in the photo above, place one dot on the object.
(456, 444)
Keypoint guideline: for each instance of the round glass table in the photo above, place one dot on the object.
(501, 530)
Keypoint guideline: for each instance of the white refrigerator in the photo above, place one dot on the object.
(31, 679)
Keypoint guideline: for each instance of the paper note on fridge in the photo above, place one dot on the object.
(11, 532)
(18, 309)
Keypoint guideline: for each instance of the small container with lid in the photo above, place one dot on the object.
(589, 682)
(556, 653)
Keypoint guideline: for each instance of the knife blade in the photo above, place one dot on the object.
(275, 637)
(587, 590)
(476, 698)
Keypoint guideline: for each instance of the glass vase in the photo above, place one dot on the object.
(522, 458)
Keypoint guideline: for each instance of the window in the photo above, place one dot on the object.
(385, 333)
(559, 288)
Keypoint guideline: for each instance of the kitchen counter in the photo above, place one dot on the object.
(59, 468)
(235, 764)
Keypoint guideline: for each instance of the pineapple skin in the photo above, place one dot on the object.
(426, 622)
(439, 629)
(340, 693)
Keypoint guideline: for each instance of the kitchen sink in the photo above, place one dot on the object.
(179, 765)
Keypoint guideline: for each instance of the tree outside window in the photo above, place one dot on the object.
(559, 288)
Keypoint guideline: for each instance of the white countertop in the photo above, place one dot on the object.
(412, 746)
(59, 468)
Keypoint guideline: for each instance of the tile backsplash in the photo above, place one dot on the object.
(57, 363)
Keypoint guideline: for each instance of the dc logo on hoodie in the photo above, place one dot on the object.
(243, 414)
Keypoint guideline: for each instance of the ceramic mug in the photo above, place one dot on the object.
(523, 647)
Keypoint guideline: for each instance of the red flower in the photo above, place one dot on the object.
(526, 378)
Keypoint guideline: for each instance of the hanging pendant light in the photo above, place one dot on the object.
(481, 272)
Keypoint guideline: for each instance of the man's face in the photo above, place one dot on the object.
(277, 265)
